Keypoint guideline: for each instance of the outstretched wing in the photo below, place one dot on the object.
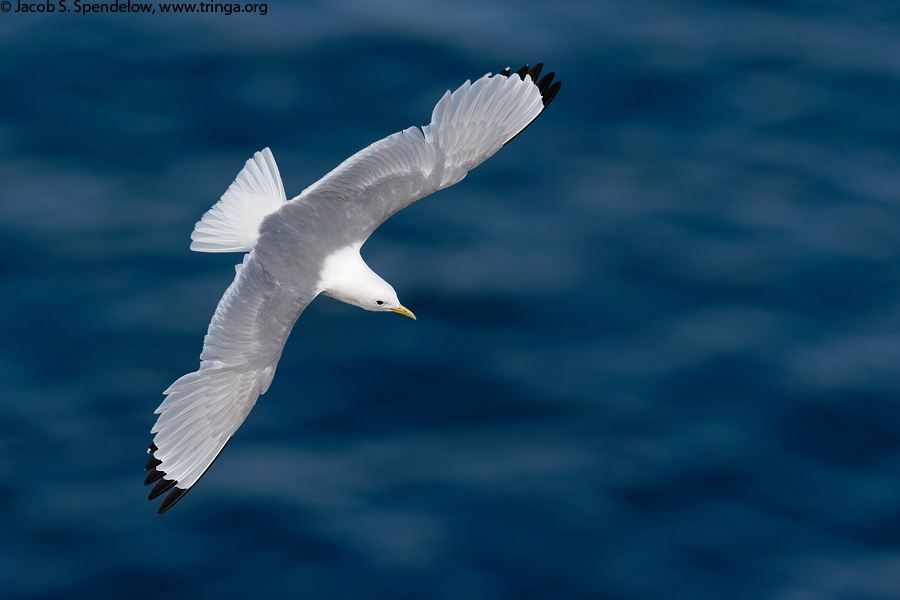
(241, 349)
(467, 127)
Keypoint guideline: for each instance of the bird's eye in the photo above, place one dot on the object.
(379, 302)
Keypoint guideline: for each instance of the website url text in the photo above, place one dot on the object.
(152, 8)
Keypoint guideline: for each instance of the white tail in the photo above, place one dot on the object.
(232, 224)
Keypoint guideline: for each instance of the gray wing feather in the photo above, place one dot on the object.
(240, 352)
(467, 127)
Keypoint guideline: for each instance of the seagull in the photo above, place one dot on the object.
(310, 245)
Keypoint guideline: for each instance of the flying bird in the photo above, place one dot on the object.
(310, 245)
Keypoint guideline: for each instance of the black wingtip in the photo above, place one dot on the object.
(162, 486)
(550, 94)
(170, 499)
(152, 463)
(546, 86)
(153, 476)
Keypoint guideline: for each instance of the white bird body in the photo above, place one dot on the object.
(310, 245)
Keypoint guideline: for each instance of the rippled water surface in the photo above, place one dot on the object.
(657, 352)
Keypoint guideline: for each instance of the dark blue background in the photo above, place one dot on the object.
(658, 346)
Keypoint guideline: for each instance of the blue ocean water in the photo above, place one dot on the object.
(657, 352)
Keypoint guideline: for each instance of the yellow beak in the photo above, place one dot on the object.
(405, 312)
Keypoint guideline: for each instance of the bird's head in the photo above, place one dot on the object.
(376, 294)
(346, 277)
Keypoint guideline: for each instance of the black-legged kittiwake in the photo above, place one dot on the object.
(300, 248)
